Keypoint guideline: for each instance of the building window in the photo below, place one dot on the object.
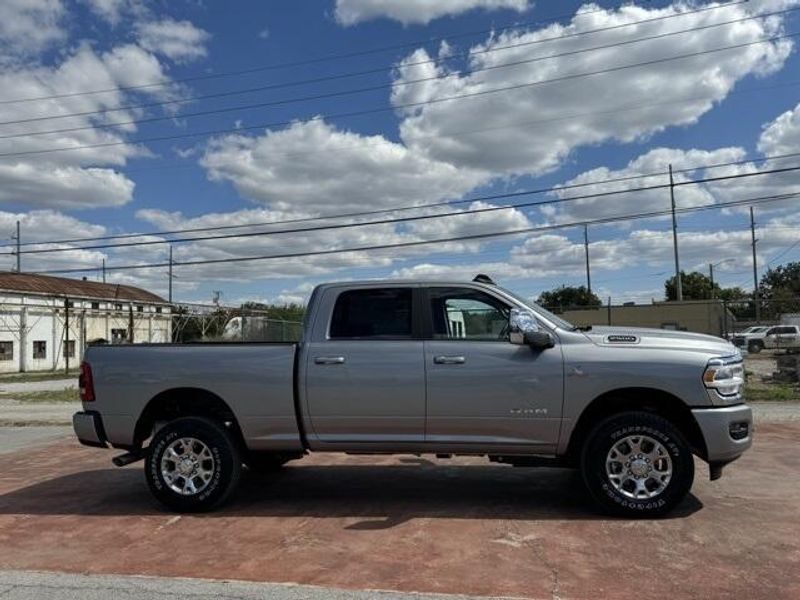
(118, 306)
(6, 350)
(69, 348)
(39, 349)
(139, 308)
(158, 310)
(95, 306)
(70, 304)
(118, 336)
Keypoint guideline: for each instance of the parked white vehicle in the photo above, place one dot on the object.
(783, 337)
(751, 339)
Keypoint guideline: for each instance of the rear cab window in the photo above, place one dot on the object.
(372, 313)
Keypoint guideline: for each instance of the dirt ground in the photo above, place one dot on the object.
(413, 524)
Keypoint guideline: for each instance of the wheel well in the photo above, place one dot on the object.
(184, 402)
(651, 400)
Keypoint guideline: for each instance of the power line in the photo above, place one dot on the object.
(381, 70)
(407, 105)
(559, 188)
(415, 218)
(515, 125)
(643, 215)
(328, 58)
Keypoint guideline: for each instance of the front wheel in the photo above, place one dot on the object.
(193, 464)
(755, 347)
(637, 464)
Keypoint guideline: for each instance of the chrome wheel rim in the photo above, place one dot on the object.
(639, 467)
(187, 466)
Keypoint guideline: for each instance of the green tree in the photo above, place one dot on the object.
(695, 286)
(780, 289)
(282, 312)
(569, 296)
(781, 282)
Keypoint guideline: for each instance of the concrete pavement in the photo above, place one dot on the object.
(13, 439)
(27, 585)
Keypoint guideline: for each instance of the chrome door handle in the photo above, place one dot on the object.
(329, 360)
(449, 360)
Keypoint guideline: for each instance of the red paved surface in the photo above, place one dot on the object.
(410, 524)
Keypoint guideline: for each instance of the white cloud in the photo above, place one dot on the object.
(654, 161)
(556, 255)
(180, 41)
(109, 10)
(533, 129)
(781, 136)
(67, 187)
(313, 167)
(77, 178)
(30, 26)
(350, 12)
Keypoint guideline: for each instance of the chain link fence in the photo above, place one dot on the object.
(217, 323)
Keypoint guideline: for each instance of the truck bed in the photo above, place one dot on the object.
(255, 379)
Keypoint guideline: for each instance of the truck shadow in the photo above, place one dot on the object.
(382, 496)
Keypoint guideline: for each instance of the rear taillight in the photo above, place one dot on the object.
(86, 383)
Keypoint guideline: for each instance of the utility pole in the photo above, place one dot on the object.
(586, 251)
(19, 255)
(170, 274)
(104, 270)
(711, 277)
(755, 266)
(678, 282)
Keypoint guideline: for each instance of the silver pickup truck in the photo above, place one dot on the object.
(410, 367)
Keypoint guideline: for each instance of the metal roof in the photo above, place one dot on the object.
(77, 288)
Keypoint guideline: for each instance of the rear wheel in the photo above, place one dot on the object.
(637, 464)
(755, 346)
(193, 464)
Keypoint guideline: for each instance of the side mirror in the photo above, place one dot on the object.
(539, 340)
(524, 329)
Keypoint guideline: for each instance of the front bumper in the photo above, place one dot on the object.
(727, 431)
(88, 426)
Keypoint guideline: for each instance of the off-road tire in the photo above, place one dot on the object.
(616, 428)
(755, 347)
(226, 470)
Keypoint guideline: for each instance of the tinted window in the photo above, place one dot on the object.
(463, 313)
(372, 313)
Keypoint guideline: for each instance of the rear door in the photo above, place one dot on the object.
(365, 381)
(483, 391)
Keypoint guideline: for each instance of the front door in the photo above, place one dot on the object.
(482, 390)
(366, 381)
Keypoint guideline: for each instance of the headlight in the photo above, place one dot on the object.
(725, 377)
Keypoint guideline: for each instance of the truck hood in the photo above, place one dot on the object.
(641, 337)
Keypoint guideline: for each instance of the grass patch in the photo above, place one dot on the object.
(62, 395)
(36, 376)
(772, 392)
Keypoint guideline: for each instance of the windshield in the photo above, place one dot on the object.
(555, 319)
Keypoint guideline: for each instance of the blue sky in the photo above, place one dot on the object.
(717, 106)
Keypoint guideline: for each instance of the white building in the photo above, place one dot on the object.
(46, 322)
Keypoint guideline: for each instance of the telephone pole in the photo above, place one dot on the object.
(170, 274)
(104, 270)
(678, 282)
(753, 241)
(586, 251)
(19, 255)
